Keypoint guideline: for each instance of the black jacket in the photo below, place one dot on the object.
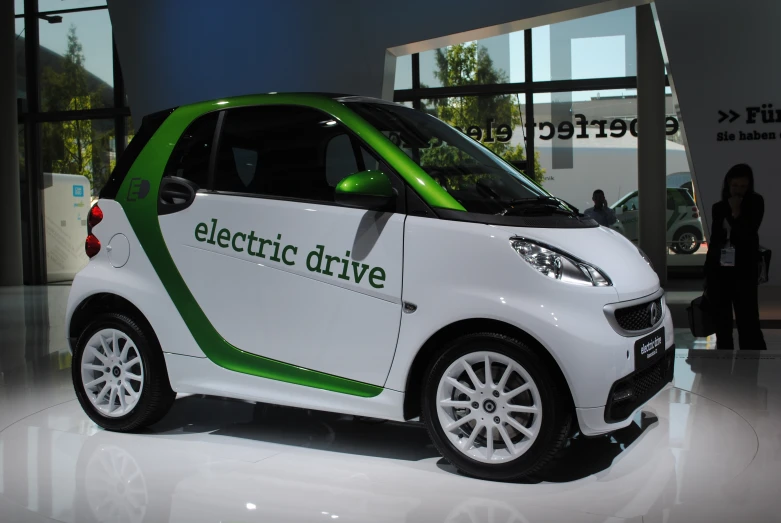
(743, 235)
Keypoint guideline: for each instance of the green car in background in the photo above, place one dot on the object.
(684, 226)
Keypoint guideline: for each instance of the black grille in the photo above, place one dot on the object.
(638, 317)
(631, 392)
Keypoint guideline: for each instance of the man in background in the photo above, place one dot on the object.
(601, 213)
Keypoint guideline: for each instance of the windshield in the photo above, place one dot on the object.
(479, 180)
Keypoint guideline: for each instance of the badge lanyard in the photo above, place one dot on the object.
(728, 251)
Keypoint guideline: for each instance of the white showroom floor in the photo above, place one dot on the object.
(707, 449)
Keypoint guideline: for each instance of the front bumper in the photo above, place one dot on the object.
(627, 396)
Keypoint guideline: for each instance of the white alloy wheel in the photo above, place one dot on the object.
(688, 242)
(489, 407)
(112, 372)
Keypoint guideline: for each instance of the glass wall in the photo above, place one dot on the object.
(76, 62)
(71, 113)
(601, 46)
(495, 60)
(577, 113)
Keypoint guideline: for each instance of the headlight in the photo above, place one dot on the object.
(557, 265)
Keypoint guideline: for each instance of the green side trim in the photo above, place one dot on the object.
(672, 219)
(371, 183)
(142, 214)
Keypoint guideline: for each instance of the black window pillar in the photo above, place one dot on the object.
(119, 101)
(33, 221)
(529, 78)
(416, 79)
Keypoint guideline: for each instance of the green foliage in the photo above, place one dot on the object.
(469, 64)
(75, 146)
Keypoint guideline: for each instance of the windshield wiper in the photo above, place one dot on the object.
(540, 204)
(543, 200)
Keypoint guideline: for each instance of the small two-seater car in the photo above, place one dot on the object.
(684, 226)
(353, 255)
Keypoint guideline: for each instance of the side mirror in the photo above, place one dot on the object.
(366, 190)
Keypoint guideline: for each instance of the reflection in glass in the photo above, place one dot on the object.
(21, 69)
(130, 131)
(478, 180)
(599, 46)
(76, 62)
(80, 147)
(495, 60)
(403, 72)
(52, 5)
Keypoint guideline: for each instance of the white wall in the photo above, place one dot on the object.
(725, 55)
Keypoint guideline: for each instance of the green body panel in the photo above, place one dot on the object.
(370, 183)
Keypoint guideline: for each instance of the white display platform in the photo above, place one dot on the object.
(708, 455)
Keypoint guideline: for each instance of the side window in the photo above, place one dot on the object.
(287, 151)
(340, 160)
(190, 157)
(631, 204)
(671, 203)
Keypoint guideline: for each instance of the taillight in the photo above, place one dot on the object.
(695, 213)
(95, 216)
(92, 245)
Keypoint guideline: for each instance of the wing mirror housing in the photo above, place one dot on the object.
(366, 190)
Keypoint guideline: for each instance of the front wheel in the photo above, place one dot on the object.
(493, 409)
(119, 374)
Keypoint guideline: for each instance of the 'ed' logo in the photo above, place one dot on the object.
(138, 189)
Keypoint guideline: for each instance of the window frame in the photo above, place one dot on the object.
(397, 181)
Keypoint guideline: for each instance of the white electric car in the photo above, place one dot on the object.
(684, 226)
(353, 255)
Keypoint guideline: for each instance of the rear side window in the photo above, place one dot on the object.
(286, 151)
(191, 155)
(149, 125)
(679, 198)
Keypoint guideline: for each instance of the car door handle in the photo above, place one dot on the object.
(176, 194)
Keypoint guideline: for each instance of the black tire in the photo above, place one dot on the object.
(556, 419)
(676, 246)
(156, 395)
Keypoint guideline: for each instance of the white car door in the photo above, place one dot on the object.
(629, 216)
(278, 269)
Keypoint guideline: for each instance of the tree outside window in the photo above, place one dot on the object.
(469, 64)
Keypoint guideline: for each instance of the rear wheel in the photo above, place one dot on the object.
(119, 374)
(686, 240)
(493, 409)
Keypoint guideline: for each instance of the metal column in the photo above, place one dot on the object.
(10, 205)
(35, 269)
(652, 164)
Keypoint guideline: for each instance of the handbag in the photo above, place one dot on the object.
(701, 320)
(764, 265)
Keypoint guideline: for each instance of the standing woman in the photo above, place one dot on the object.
(732, 263)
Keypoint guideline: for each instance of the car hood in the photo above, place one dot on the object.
(604, 248)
